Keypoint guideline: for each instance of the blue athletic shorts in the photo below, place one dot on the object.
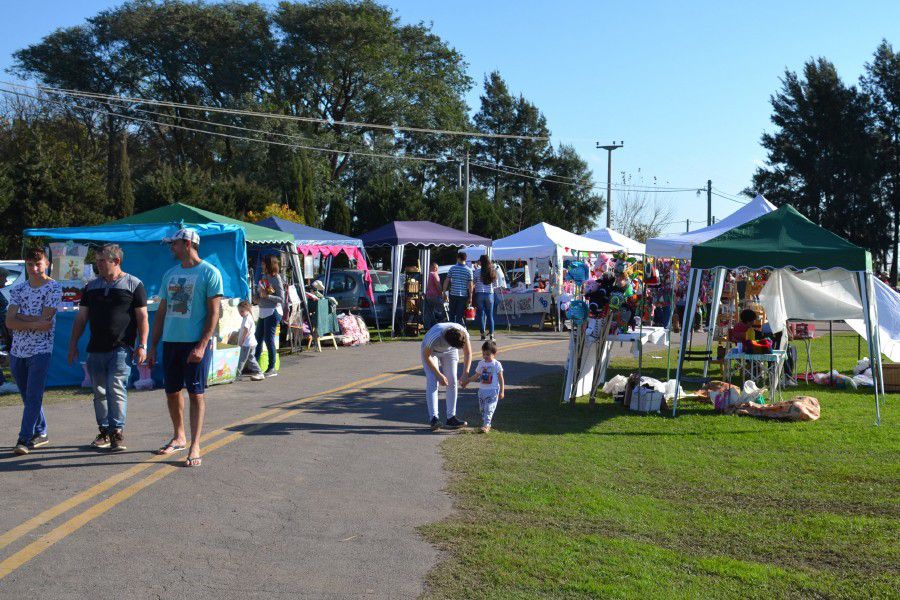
(179, 374)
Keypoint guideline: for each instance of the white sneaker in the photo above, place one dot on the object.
(271, 374)
(257, 377)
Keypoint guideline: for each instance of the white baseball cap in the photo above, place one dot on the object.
(189, 235)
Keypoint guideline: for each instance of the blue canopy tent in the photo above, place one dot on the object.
(145, 258)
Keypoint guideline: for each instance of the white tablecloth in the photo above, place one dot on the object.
(592, 356)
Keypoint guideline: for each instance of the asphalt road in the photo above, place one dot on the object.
(312, 486)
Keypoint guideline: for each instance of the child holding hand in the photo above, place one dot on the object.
(491, 387)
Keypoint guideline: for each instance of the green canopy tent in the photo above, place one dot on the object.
(783, 239)
(257, 236)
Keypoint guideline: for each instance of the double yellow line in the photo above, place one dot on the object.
(255, 422)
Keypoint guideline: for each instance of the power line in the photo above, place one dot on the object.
(230, 136)
(247, 129)
(507, 170)
(717, 194)
(531, 174)
(127, 99)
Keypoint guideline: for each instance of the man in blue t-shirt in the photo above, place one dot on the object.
(185, 322)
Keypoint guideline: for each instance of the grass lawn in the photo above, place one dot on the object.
(595, 502)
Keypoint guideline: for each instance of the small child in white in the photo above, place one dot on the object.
(247, 342)
(489, 375)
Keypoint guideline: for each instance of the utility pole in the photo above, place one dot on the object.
(609, 150)
(687, 225)
(466, 217)
(709, 218)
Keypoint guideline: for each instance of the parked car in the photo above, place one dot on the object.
(15, 272)
(349, 289)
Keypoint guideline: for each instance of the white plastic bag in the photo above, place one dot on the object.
(669, 391)
(615, 386)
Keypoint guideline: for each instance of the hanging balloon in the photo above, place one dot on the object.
(578, 311)
(616, 300)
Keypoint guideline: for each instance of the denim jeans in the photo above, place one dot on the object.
(447, 363)
(458, 305)
(31, 377)
(265, 333)
(109, 373)
(434, 311)
(484, 302)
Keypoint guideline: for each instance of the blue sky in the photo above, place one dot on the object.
(686, 85)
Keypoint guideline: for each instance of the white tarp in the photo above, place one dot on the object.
(540, 241)
(888, 302)
(611, 236)
(831, 295)
(679, 245)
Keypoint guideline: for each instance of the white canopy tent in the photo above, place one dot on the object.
(611, 236)
(679, 245)
(541, 241)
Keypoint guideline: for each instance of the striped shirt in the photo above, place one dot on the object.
(460, 276)
(481, 287)
(434, 338)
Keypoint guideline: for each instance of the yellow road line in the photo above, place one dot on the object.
(75, 523)
(51, 513)
(62, 531)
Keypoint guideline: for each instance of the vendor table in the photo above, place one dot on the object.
(595, 357)
(772, 362)
(522, 308)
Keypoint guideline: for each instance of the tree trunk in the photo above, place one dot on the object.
(110, 157)
(896, 245)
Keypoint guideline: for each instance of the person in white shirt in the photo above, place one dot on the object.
(491, 387)
(247, 342)
(440, 357)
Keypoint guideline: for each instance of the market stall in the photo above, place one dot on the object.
(423, 235)
(786, 242)
(672, 253)
(147, 259)
(259, 241)
(544, 248)
(313, 242)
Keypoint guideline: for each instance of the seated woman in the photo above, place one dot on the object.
(744, 330)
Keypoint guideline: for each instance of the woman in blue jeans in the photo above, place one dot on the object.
(271, 309)
(485, 284)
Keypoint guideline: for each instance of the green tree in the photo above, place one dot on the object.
(338, 218)
(120, 191)
(882, 84)
(822, 156)
(52, 176)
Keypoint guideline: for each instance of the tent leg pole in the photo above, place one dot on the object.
(831, 352)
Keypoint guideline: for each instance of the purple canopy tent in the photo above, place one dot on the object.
(424, 235)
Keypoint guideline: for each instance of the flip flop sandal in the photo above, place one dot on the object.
(170, 448)
(193, 461)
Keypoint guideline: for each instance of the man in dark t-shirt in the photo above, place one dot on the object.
(115, 306)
